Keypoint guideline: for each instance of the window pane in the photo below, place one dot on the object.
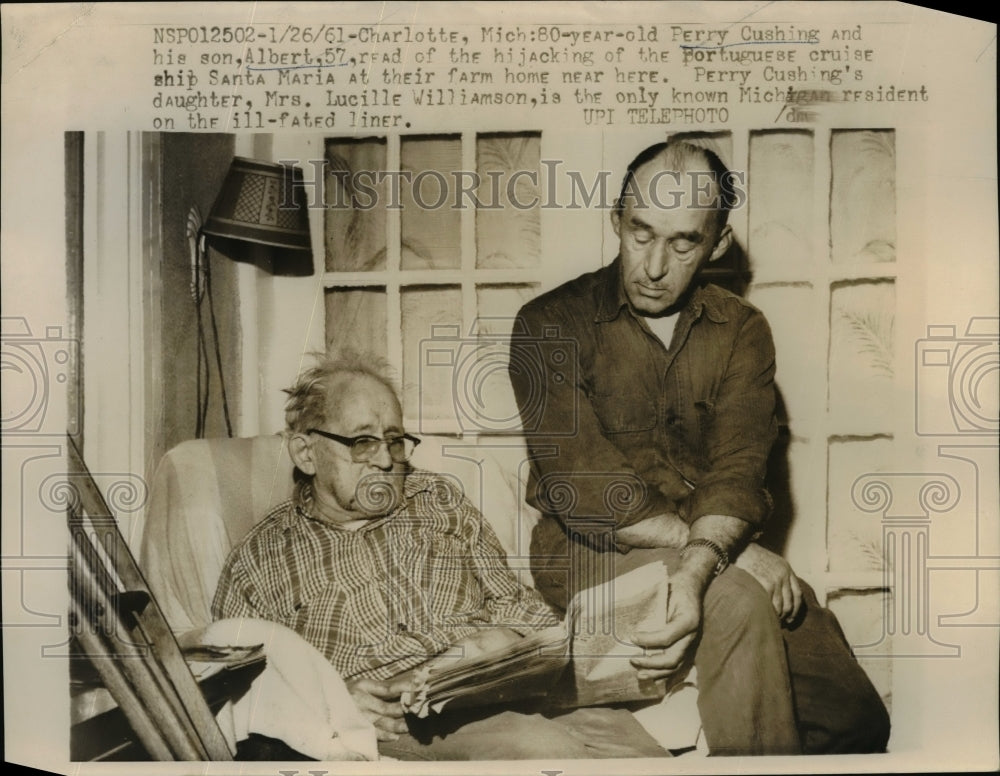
(854, 536)
(863, 196)
(430, 224)
(781, 203)
(433, 343)
(355, 222)
(862, 318)
(508, 234)
(355, 319)
(496, 306)
(491, 399)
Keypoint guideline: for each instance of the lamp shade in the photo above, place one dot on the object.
(261, 215)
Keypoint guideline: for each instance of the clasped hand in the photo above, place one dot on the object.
(675, 638)
(379, 703)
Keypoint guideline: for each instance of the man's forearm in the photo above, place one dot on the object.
(664, 530)
(668, 529)
(730, 534)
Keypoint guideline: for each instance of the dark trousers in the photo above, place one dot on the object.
(762, 688)
(507, 734)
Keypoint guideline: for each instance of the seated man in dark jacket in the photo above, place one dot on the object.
(652, 443)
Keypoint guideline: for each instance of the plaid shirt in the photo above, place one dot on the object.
(387, 596)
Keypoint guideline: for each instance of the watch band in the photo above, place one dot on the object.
(722, 557)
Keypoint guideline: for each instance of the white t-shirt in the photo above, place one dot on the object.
(663, 327)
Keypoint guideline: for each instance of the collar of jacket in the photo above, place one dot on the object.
(611, 298)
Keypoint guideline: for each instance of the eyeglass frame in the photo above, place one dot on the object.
(350, 442)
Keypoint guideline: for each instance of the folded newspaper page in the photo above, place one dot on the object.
(527, 668)
(594, 640)
(207, 659)
(604, 618)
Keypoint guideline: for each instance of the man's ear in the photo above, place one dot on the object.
(723, 243)
(616, 222)
(301, 452)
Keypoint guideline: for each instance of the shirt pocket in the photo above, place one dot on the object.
(621, 414)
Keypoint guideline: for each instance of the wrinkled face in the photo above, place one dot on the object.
(343, 489)
(663, 247)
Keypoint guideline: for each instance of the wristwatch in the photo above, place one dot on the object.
(722, 557)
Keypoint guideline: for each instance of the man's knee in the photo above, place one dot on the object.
(735, 603)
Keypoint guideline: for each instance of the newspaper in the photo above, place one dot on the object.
(527, 668)
(603, 619)
(204, 660)
(593, 640)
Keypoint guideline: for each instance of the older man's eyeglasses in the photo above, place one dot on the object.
(364, 448)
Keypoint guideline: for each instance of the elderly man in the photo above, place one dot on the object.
(382, 567)
(671, 397)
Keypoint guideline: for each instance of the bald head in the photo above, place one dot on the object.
(678, 173)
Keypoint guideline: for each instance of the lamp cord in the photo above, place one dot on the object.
(218, 353)
(204, 371)
(203, 387)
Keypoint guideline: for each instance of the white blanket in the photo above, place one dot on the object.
(299, 698)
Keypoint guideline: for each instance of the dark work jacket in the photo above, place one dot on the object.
(619, 427)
